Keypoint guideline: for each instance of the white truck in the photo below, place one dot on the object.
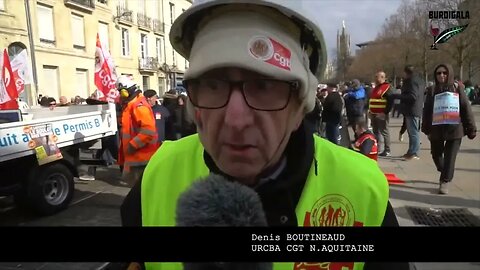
(39, 152)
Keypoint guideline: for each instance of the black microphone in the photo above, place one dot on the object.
(216, 201)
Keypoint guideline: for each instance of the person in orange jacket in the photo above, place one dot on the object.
(138, 135)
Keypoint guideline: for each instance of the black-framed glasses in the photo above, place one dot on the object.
(259, 94)
(442, 72)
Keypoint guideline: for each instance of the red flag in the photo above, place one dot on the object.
(105, 75)
(8, 101)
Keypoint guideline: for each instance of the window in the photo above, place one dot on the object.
(158, 46)
(143, 46)
(172, 12)
(174, 60)
(105, 2)
(122, 3)
(141, 6)
(146, 82)
(50, 78)
(2, 4)
(46, 30)
(125, 42)
(155, 8)
(186, 64)
(82, 82)
(103, 34)
(78, 32)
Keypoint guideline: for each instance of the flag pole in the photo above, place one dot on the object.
(32, 48)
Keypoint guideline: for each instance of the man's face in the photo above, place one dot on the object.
(380, 77)
(152, 100)
(243, 141)
(63, 100)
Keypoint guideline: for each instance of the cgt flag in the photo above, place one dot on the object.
(105, 74)
(21, 71)
(8, 90)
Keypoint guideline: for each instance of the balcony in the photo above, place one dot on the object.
(148, 64)
(158, 27)
(144, 21)
(124, 15)
(83, 5)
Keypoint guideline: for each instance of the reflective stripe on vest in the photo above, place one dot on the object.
(345, 195)
(378, 104)
(374, 151)
(130, 135)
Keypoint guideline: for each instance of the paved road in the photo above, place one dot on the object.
(96, 203)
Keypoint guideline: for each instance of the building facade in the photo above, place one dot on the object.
(64, 35)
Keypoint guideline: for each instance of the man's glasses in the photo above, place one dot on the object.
(442, 72)
(259, 94)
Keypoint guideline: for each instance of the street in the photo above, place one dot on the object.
(96, 203)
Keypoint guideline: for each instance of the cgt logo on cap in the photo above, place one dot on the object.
(270, 51)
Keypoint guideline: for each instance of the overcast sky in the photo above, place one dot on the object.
(363, 18)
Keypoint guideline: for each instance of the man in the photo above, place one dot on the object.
(380, 103)
(332, 113)
(170, 102)
(138, 136)
(160, 113)
(366, 143)
(355, 103)
(412, 106)
(63, 101)
(248, 106)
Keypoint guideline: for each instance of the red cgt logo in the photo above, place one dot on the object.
(270, 51)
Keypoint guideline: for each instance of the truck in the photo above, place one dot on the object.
(39, 152)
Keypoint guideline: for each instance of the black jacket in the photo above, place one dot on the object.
(279, 197)
(448, 132)
(412, 96)
(332, 108)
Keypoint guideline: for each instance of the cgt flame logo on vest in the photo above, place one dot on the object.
(329, 211)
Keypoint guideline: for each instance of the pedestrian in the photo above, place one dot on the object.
(365, 143)
(355, 103)
(380, 104)
(170, 102)
(412, 107)
(184, 126)
(396, 101)
(445, 128)
(160, 113)
(332, 113)
(249, 111)
(138, 135)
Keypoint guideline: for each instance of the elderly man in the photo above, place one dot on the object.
(380, 104)
(250, 83)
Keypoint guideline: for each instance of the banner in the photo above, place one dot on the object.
(105, 74)
(8, 90)
(22, 71)
(446, 109)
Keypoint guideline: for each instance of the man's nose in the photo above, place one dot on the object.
(238, 114)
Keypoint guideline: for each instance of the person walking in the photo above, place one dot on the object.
(160, 113)
(332, 113)
(412, 106)
(380, 104)
(447, 117)
(138, 135)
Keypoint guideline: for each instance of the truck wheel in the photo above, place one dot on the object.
(50, 189)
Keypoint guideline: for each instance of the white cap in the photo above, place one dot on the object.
(254, 41)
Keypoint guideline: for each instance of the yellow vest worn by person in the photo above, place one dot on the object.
(348, 190)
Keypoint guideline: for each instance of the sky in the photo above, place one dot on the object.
(363, 19)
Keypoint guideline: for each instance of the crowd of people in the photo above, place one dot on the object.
(368, 107)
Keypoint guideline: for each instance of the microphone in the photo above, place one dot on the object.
(218, 202)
